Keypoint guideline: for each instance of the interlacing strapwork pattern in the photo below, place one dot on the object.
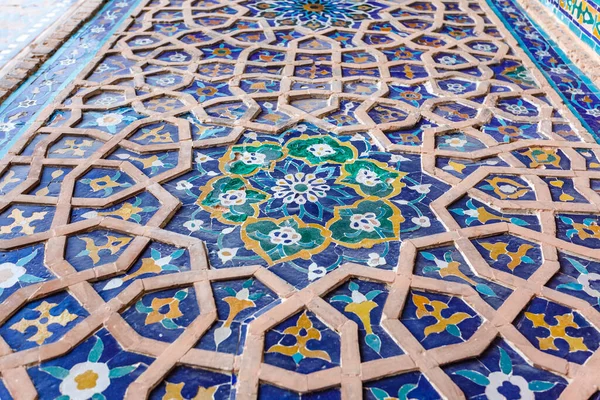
(335, 198)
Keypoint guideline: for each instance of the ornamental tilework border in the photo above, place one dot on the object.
(254, 199)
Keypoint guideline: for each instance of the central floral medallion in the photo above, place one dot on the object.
(304, 202)
(315, 14)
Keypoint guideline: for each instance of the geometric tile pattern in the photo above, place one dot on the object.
(278, 198)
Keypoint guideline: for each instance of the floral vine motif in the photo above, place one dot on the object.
(303, 332)
(497, 379)
(88, 379)
(155, 313)
(237, 302)
(361, 305)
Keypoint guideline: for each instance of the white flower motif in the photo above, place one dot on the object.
(447, 60)
(375, 260)
(483, 47)
(143, 42)
(455, 142)
(299, 188)
(10, 274)
(97, 29)
(595, 112)
(193, 225)
(7, 126)
(321, 150)
(232, 198)
(509, 9)
(574, 91)
(364, 222)
(165, 81)
(316, 272)
(398, 158)
(227, 254)
(253, 158)
(421, 221)
(202, 158)
(559, 70)
(286, 236)
(422, 189)
(183, 185)
(177, 57)
(455, 88)
(28, 103)
(498, 379)
(367, 177)
(516, 109)
(85, 380)
(110, 119)
(542, 53)
(532, 36)
(67, 61)
(107, 100)
(509, 189)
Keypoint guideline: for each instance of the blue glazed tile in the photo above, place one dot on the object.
(74, 147)
(99, 357)
(163, 315)
(191, 383)
(507, 187)
(238, 303)
(463, 168)
(510, 254)
(21, 220)
(138, 209)
(558, 330)
(102, 182)
(51, 181)
(94, 248)
(501, 371)
(12, 177)
(437, 320)
(4, 394)
(577, 277)
(266, 391)
(579, 229)
(157, 259)
(470, 212)
(302, 344)
(362, 302)
(412, 385)
(22, 267)
(447, 263)
(42, 321)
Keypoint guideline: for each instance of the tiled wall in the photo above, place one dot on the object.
(582, 17)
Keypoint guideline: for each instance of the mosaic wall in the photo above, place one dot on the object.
(303, 199)
(581, 16)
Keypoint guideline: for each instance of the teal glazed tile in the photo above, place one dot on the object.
(42, 321)
(163, 315)
(22, 267)
(157, 259)
(510, 254)
(362, 302)
(558, 330)
(138, 209)
(412, 385)
(438, 320)
(543, 158)
(94, 248)
(447, 263)
(303, 344)
(194, 383)
(238, 303)
(22, 219)
(111, 121)
(266, 391)
(99, 357)
(502, 371)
